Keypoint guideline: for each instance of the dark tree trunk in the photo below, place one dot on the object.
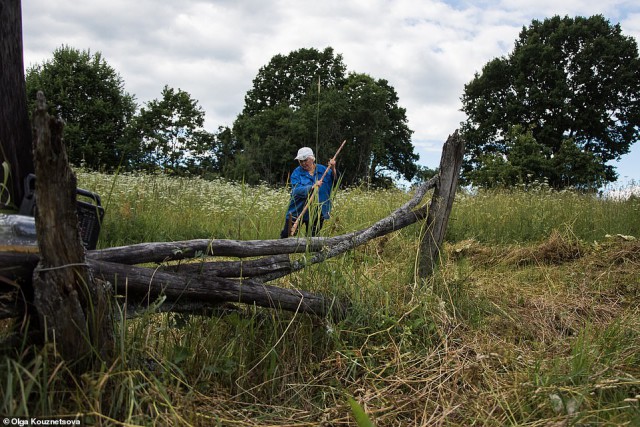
(73, 308)
(15, 132)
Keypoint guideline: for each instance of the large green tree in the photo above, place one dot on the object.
(169, 134)
(281, 113)
(225, 148)
(306, 99)
(288, 79)
(562, 105)
(378, 130)
(88, 94)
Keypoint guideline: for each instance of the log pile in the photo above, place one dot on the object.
(205, 282)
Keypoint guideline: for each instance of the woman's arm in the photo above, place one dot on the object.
(299, 188)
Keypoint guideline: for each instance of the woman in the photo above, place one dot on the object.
(306, 179)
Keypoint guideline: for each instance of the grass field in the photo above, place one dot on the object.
(532, 319)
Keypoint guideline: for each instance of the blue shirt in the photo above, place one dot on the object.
(302, 183)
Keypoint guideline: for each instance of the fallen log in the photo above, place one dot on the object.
(142, 286)
(239, 269)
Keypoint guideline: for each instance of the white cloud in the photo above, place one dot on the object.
(427, 49)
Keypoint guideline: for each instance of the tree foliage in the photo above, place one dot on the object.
(570, 88)
(169, 134)
(307, 99)
(88, 94)
(287, 79)
(378, 128)
(302, 99)
(225, 149)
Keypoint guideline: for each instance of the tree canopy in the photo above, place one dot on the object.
(288, 79)
(558, 108)
(169, 134)
(307, 99)
(88, 94)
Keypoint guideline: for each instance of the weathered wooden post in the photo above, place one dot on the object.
(440, 206)
(74, 310)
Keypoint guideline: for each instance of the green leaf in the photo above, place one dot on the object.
(358, 413)
(181, 353)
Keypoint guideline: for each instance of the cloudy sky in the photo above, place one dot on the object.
(213, 49)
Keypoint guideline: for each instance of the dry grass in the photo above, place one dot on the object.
(541, 333)
(487, 372)
(546, 335)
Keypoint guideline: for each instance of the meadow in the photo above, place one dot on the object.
(531, 319)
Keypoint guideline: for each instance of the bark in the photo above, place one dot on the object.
(73, 308)
(15, 132)
(172, 251)
(239, 269)
(440, 205)
(143, 286)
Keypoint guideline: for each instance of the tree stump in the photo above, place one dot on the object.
(73, 309)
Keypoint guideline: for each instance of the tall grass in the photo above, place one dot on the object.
(525, 215)
(144, 207)
(531, 319)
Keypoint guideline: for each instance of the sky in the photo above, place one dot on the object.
(213, 49)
